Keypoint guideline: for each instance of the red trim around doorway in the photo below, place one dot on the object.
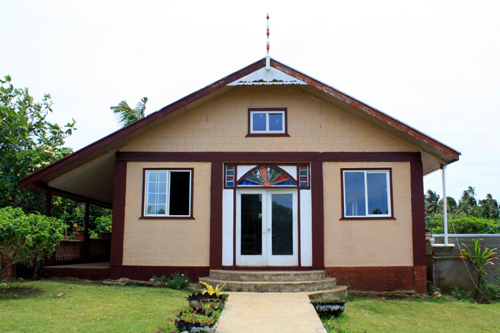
(216, 187)
(318, 216)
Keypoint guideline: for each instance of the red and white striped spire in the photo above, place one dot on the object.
(267, 46)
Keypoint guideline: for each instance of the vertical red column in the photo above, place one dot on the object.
(119, 191)
(318, 239)
(418, 227)
(216, 186)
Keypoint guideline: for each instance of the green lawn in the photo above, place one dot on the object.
(87, 307)
(415, 315)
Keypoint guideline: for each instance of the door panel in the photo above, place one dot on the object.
(266, 228)
(251, 224)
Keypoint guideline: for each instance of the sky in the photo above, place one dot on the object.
(434, 65)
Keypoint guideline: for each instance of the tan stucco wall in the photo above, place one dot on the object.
(313, 125)
(167, 242)
(368, 242)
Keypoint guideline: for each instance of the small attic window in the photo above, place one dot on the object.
(267, 122)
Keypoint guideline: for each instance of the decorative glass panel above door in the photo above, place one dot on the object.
(266, 176)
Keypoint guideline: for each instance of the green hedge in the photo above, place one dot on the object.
(462, 225)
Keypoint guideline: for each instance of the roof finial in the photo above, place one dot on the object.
(267, 46)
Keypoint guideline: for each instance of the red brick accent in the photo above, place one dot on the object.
(94, 274)
(420, 282)
(146, 272)
(380, 278)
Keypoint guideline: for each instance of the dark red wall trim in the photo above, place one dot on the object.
(145, 273)
(418, 213)
(173, 217)
(119, 190)
(250, 110)
(262, 157)
(342, 192)
(381, 278)
(318, 247)
(216, 186)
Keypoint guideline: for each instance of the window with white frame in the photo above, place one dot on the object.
(366, 193)
(167, 193)
(267, 121)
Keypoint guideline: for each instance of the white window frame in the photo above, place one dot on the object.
(167, 192)
(387, 173)
(267, 131)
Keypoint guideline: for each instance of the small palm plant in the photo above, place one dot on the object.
(211, 290)
(480, 258)
(126, 115)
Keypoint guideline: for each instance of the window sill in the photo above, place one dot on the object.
(368, 218)
(167, 218)
(249, 135)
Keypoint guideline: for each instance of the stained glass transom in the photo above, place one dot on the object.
(229, 175)
(266, 176)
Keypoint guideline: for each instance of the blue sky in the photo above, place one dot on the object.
(431, 64)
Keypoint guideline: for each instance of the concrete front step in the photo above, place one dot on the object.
(278, 286)
(269, 276)
(337, 292)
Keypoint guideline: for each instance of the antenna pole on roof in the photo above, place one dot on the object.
(267, 46)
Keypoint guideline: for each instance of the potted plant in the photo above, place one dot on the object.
(210, 298)
(334, 308)
(196, 321)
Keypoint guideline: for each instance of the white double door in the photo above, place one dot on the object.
(266, 227)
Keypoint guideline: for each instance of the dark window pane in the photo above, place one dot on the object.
(354, 186)
(275, 122)
(259, 121)
(251, 224)
(282, 224)
(180, 193)
(378, 202)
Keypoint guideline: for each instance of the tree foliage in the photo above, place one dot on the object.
(469, 216)
(26, 237)
(28, 142)
(126, 115)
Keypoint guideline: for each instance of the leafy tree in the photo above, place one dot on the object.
(126, 115)
(468, 203)
(431, 202)
(27, 142)
(25, 238)
(451, 206)
(462, 225)
(489, 207)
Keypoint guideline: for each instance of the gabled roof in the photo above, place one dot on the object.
(103, 150)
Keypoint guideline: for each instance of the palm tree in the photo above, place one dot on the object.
(468, 203)
(126, 115)
(431, 202)
(489, 207)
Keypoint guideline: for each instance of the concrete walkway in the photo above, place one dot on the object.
(269, 312)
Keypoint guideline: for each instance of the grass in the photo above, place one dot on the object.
(364, 314)
(87, 307)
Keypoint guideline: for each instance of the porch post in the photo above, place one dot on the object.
(48, 202)
(85, 250)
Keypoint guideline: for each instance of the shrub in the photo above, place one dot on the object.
(26, 237)
(462, 225)
(175, 281)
